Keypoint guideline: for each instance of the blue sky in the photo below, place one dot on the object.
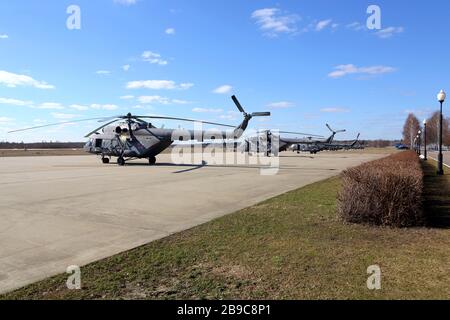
(308, 62)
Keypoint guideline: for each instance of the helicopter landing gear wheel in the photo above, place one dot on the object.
(152, 161)
(105, 160)
(121, 161)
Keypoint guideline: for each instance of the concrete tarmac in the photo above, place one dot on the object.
(73, 210)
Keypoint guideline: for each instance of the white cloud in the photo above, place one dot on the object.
(272, 22)
(223, 89)
(104, 106)
(323, 24)
(103, 72)
(127, 97)
(281, 105)
(13, 80)
(4, 36)
(94, 106)
(186, 86)
(79, 107)
(153, 99)
(63, 116)
(56, 105)
(159, 100)
(23, 103)
(50, 106)
(15, 102)
(178, 101)
(170, 31)
(126, 2)
(343, 70)
(389, 32)
(356, 26)
(335, 110)
(126, 67)
(154, 58)
(206, 110)
(158, 85)
(6, 120)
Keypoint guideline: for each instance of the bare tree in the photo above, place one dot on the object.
(433, 129)
(410, 129)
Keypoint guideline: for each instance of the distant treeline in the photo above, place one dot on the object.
(372, 143)
(41, 145)
(379, 143)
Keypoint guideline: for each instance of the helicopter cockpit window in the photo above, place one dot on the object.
(98, 143)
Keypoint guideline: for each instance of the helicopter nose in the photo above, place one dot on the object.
(87, 146)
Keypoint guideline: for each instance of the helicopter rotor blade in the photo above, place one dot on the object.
(184, 119)
(260, 114)
(54, 124)
(101, 127)
(110, 118)
(301, 133)
(238, 104)
(138, 119)
(329, 128)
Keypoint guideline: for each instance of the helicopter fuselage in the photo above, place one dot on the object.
(146, 141)
(143, 143)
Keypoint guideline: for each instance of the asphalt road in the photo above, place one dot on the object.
(446, 156)
(73, 210)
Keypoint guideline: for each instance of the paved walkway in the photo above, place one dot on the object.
(73, 210)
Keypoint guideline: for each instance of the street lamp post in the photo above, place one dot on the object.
(419, 136)
(415, 144)
(441, 98)
(425, 139)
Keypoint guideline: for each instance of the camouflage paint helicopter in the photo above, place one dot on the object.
(265, 140)
(310, 144)
(134, 138)
(314, 147)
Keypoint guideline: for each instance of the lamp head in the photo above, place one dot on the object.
(441, 96)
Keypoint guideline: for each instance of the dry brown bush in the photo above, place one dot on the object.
(386, 192)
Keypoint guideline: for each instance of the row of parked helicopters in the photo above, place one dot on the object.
(262, 142)
(129, 137)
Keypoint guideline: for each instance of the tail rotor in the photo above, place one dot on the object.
(248, 115)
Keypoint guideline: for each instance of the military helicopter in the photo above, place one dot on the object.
(315, 146)
(263, 141)
(134, 138)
